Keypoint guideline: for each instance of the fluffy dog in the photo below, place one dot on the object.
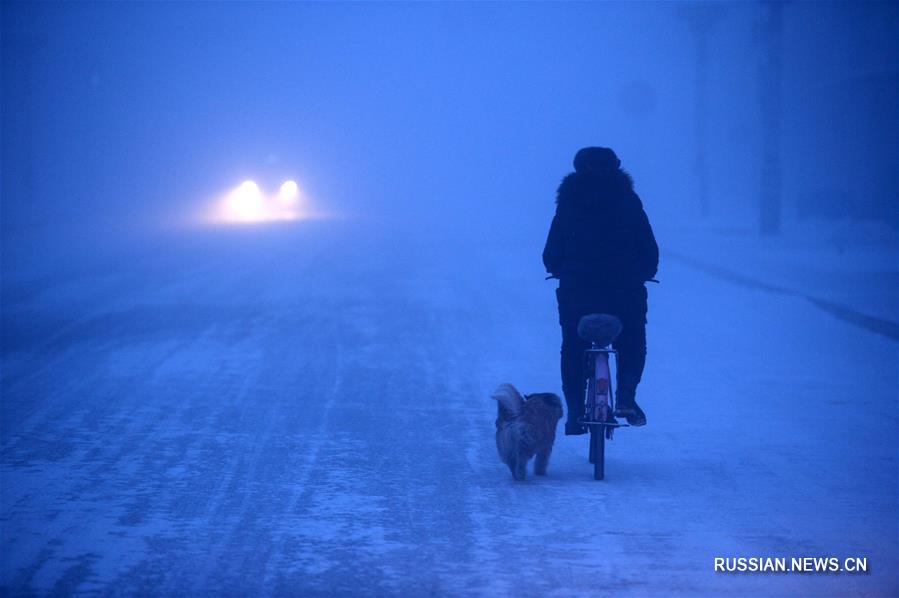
(525, 426)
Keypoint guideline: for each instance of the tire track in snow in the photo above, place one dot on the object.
(873, 324)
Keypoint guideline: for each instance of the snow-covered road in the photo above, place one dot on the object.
(306, 410)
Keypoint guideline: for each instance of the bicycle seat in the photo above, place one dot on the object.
(601, 329)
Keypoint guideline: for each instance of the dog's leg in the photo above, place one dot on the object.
(521, 467)
(513, 466)
(541, 461)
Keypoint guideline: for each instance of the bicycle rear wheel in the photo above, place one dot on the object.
(598, 451)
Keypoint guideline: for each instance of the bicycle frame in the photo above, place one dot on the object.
(600, 394)
(600, 407)
(600, 330)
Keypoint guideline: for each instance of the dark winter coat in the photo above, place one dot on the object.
(600, 236)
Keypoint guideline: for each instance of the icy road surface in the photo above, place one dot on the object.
(305, 410)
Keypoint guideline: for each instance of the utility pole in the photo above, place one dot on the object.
(770, 86)
(701, 17)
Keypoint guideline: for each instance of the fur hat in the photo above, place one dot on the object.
(596, 159)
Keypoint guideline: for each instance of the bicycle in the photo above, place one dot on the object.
(600, 330)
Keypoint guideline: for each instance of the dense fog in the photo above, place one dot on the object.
(131, 116)
(231, 229)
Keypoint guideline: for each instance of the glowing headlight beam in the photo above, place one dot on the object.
(289, 192)
(247, 204)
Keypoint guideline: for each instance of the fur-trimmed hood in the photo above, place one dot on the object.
(580, 188)
(600, 232)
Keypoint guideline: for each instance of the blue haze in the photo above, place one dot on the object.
(302, 407)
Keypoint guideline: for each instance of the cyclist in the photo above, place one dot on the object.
(602, 249)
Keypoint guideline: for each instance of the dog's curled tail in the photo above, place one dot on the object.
(509, 399)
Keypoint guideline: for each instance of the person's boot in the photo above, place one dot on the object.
(631, 412)
(636, 417)
(574, 428)
(573, 425)
(627, 407)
